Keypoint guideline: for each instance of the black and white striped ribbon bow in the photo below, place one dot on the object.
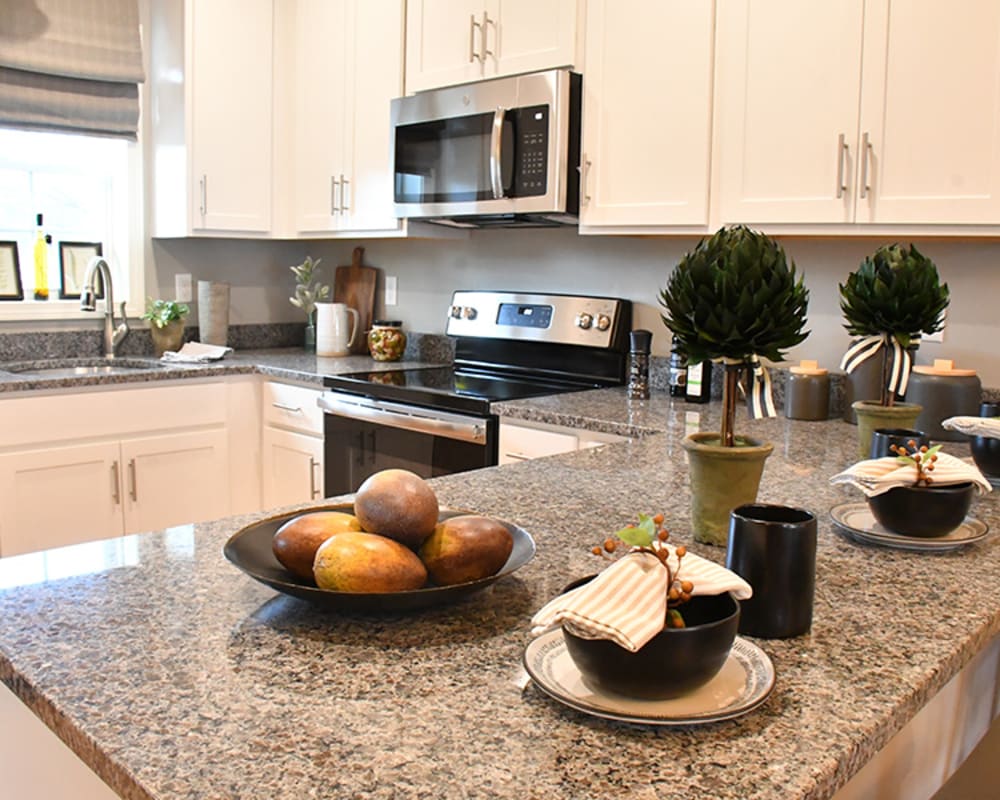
(861, 351)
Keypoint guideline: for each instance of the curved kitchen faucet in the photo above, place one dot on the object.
(113, 335)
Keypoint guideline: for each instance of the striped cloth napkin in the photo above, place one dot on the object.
(878, 475)
(974, 426)
(627, 602)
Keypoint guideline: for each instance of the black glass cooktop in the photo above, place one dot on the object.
(446, 387)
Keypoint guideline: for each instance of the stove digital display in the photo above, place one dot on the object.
(524, 316)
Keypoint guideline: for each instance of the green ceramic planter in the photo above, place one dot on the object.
(721, 479)
(169, 337)
(872, 416)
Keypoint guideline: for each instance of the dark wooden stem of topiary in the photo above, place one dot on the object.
(886, 398)
(730, 382)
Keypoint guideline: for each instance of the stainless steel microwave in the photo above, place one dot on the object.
(501, 152)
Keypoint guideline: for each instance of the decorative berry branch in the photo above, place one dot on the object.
(922, 458)
(650, 537)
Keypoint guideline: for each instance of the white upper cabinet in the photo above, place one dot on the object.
(861, 111)
(212, 90)
(348, 66)
(647, 113)
(456, 41)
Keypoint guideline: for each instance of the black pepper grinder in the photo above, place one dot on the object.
(638, 364)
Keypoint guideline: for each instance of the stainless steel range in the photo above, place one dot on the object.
(437, 420)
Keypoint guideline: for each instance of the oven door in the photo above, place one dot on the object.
(364, 436)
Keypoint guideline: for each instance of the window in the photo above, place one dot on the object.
(88, 189)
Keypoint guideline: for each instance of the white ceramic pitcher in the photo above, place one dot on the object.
(334, 336)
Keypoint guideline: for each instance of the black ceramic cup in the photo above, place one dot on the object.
(986, 449)
(773, 548)
(884, 438)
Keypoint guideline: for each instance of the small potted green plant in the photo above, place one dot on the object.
(733, 300)
(888, 302)
(308, 292)
(166, 324)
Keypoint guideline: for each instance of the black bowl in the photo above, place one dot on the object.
(924, 511)
(674, 662)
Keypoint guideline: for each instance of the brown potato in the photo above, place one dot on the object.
(466, 548)
(295, 543)
(367, 562)
(398, 504)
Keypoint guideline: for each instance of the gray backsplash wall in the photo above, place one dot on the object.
(563, 261)
(560, 260)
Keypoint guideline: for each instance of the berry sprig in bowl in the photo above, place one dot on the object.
(657, 622)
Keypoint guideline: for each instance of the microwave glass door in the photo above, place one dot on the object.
(449, 160)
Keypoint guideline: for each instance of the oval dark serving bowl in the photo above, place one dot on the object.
(925, 511)
(249, 549)
(674, 662)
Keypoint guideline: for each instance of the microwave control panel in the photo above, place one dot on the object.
(531, 166)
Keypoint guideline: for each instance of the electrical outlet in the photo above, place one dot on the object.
(390, 290)
(182, 288)
(939, 336)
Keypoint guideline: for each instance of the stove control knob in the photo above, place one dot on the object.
(455, 312)
(469, 312)
(584, 321)
(603, 322)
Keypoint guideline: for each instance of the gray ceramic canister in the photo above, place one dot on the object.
(807, 392)
(944, 391)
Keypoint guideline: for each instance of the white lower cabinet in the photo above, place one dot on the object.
(291, 445)
(83, 466)
(522, 441)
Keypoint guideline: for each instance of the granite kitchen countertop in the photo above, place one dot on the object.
(174, 675)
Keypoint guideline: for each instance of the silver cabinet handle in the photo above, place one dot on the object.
(115, 490)
(343, 194)
(334, 183)
(487, 21)
(518, 456)
(866, 151)
(584, 170)
(289, 409)
(133, 486)
(842, 151)
(473, 55)
(313, 491)
(203, 186)
(496, 139)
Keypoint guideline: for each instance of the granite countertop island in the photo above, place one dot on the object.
(174, 675)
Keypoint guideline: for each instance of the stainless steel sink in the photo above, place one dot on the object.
(79, 367)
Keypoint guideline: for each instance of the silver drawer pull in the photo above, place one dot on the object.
(518, 456)
(289, 409)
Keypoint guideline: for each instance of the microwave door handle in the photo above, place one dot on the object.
(496, 139)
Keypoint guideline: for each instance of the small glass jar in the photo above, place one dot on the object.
(386, 340)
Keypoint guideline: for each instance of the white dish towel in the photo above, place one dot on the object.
(196, 353)
(878, 475)
(974, 426)
(627, 602)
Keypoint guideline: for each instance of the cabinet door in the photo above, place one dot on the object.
(530, 35)
(230, 69)
(931, 111)
(443, 43)
(292, 468)
(175, 479)
(321, 111)
(789, 77)
(59, 496)
(376, 47)
(649, 167)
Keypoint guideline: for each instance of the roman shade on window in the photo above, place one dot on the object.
(70, 66)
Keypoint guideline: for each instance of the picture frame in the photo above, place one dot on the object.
(73, 260)
(11, 287)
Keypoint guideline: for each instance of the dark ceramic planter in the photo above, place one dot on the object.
(674, 662)
(925, 511)
(986, 449)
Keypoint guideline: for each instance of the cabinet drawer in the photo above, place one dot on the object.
(292, 407)
(519, 443)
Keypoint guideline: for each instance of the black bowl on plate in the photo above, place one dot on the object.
(674, 662)
(923, 511)
(986, 449)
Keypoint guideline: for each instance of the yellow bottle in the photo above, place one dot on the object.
(42, 242)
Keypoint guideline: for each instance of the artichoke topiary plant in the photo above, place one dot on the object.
(734, 299)
(893, 297)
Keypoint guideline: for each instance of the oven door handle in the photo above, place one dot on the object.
(394, 415)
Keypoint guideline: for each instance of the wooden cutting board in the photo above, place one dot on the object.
(355, 286)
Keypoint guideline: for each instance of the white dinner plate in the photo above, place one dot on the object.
(856, 521)
(743, 683)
